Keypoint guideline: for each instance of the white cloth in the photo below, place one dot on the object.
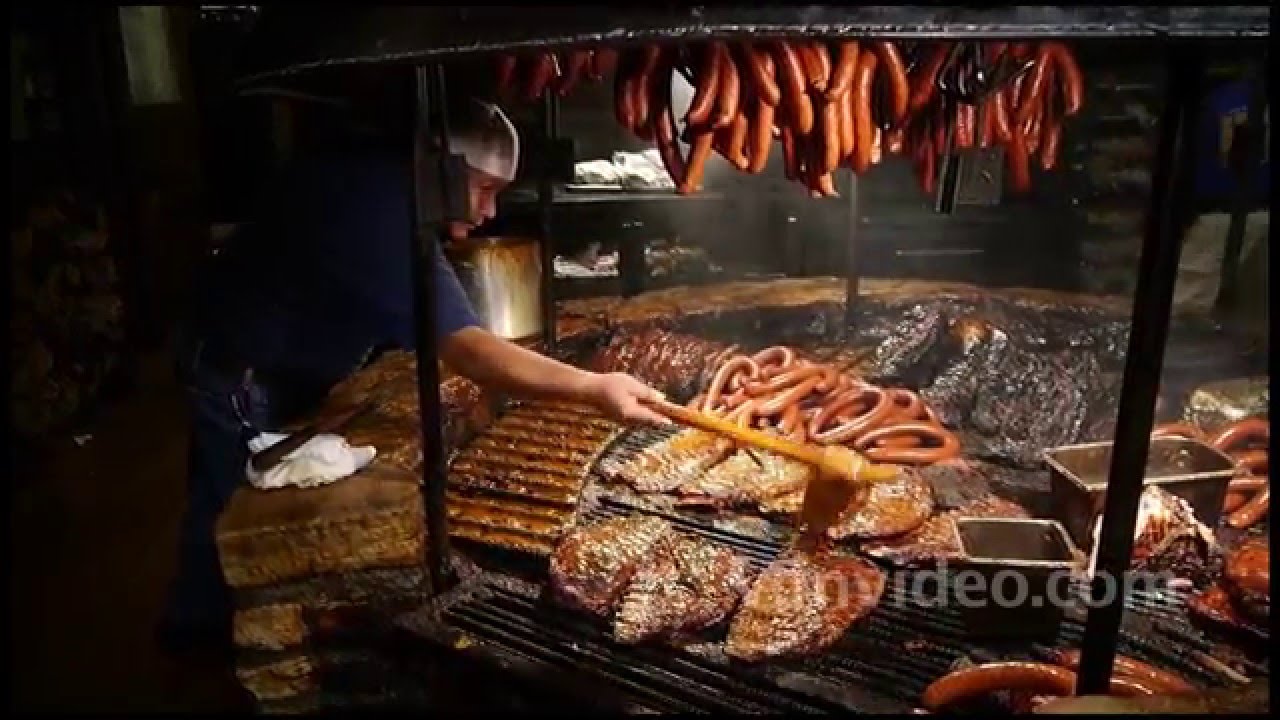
(596, 172)
(633, 171)
(320, 461)
(642, 171)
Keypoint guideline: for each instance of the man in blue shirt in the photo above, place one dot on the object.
(301, 300)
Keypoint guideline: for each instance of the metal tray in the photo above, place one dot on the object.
(1190, 469)
(1036, 554)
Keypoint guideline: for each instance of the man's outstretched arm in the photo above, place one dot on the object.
(497, 363)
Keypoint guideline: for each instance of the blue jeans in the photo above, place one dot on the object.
(216, 457)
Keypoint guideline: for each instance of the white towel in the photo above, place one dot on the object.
(321, 460)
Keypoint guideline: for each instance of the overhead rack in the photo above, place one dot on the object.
(318, 37)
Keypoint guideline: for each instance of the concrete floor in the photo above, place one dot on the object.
(93, 536)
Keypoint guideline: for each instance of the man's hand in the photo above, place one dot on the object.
(501, 364)
(621, 397)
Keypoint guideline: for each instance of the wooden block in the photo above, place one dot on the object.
(397, 440)
(371, 519)
(269, 627)
(332, 677)
(290, 677)
(375, 586)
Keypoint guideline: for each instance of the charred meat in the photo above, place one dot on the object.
(801, 604)
(1168, 536)
(1012, 403)
(904, 349)
(686, 585)
(1247, 579)
(1240, 601)
(1216, 608)
(675, 363)
(591, 567)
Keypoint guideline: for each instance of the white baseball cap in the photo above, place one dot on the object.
(485, 137)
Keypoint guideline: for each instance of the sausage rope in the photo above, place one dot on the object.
(817, 402)
(829, 105)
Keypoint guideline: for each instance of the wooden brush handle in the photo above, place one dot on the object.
(841, 472)
(803, 453)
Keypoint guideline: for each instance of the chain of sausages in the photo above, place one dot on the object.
(1249, 493)
(530, 77)
(1130, 678)
(1025, 92)
(816, 402)
(814, 98)
(828, 104)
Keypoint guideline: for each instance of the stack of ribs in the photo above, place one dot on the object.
(937, 539)
(889, 509)
(387, 392)
(517, 485)
(671, 362)
(657, 584)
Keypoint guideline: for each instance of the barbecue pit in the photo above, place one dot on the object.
(502, 612)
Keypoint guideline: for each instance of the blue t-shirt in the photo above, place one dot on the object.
(325, 274)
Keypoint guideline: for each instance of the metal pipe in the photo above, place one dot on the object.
(633, 269)
(1166, 223)
(546, 198)
(1245, 158)
(944, 202)
(429, 95)
(851, 261)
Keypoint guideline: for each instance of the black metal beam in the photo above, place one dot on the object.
(288, 40)
(633, 269)
(1246, 158)
(546, 198)
(431, 173)
(1166, 223)
(944, 201)
(852, 261)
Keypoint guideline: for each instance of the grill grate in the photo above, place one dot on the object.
(883, 663)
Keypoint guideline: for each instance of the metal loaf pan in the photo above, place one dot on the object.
(1017, 559)
(1190, 469)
